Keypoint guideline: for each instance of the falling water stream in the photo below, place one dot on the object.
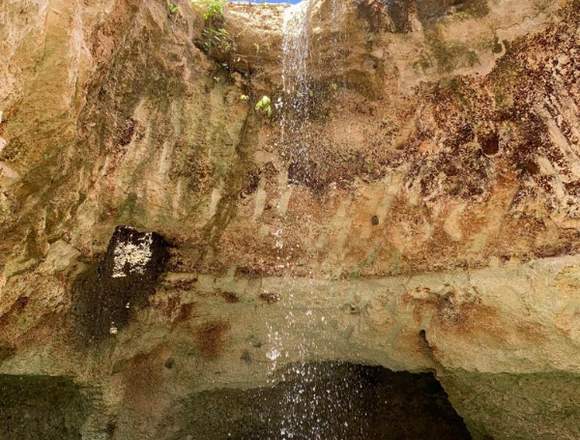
(293, 105)
(304, 396)
(295, 53)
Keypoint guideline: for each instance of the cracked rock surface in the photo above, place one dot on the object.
(428, 219)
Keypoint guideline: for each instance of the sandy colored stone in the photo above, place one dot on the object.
(428, 219)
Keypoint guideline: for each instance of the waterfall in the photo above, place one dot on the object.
(293, 107)
(301, 400)
(295, 54)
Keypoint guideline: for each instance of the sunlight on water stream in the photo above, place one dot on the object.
(301, 399)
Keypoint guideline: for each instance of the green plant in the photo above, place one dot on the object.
(216, 39)
(264, 106)
(173, 8)
(213, 9)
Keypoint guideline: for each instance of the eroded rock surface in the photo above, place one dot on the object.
(425, 216)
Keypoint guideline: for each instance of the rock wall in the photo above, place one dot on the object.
(425, 218)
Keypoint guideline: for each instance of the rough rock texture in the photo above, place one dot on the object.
(356, 403)
(42, 407)
(427, 219)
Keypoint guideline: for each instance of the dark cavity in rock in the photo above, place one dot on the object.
(230, 297)
(490, 144)
(330, 400)
(529, 166)
(105, 294)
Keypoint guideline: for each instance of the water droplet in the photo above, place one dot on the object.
(273, 354)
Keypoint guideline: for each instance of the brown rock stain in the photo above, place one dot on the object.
(186, 312)
(269, 298)
(143, 377)
(531, 332)
(172, 304)
(230, 297)
(463, 315)
(210, 338)
(15, 309)
(46, 328)
(469, 318)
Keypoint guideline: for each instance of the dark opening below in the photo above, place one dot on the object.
(323, 401)
(41, 408)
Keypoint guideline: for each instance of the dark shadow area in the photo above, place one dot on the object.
(323, 401)
(41, 408)
(430, 10)
(105, 295)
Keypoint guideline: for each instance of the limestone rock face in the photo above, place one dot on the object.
(423, 214)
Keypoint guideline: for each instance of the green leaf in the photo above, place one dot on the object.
(264, 106)
(173, 8)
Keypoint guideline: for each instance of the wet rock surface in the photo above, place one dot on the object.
(428, 219)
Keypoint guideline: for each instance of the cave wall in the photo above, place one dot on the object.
(428, 220)
(43, 407)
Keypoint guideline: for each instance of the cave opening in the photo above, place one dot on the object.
(324, 401)
(41, 408)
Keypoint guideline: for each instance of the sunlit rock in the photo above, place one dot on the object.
(409, 201)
